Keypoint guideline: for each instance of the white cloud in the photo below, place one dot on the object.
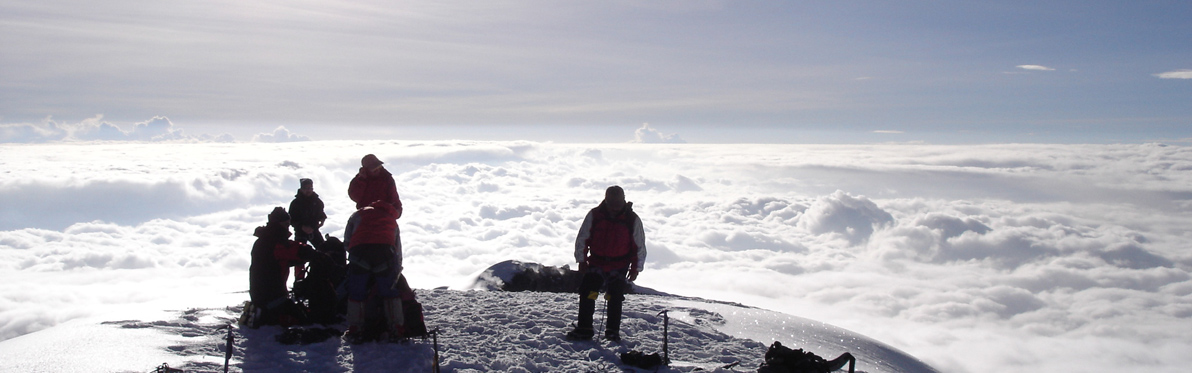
(45, 131)
(854, 218)
(1176, 74)
(157, 129)
(1035, 67)
(952, 253)
(649, 135)
(280, 134)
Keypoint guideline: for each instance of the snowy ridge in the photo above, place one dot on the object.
(480, 331)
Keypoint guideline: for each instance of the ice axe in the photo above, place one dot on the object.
(228, 348)
(665, 339)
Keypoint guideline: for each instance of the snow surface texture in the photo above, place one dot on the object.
(480, 331)
(975, 259)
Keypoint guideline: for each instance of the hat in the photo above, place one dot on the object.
(370, 161)
(614, 191)
(306, 183)
(278, 215)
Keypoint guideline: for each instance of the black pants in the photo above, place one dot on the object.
(615, 285)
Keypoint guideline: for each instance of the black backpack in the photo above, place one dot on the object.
(641, 360)
(781, 359)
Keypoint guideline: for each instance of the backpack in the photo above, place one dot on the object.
(781, 359)
(415, 323)
(639, 359)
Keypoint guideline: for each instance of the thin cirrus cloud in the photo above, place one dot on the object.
(960, 255)
(1035, 68)
(1176, 74)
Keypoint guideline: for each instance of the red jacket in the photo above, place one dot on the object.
(611, 242)
(377, 224)
(365, 189)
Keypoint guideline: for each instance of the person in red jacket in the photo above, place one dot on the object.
(611, 250)
(373, 183)
(372, 258)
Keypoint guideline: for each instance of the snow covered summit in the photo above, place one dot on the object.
(479, 331)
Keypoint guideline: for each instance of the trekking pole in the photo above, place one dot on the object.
(604, 313)
(228, 348)
(665, 339)
(434, 334)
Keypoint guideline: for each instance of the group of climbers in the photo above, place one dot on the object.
(333, 288)
(609, 248)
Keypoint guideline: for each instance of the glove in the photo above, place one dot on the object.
(632, 275)
(583, 267)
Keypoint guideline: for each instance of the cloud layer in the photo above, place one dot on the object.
(975, 258)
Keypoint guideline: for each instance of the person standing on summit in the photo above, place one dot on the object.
(307, 215)
(373, 183)
(374, 266)
(611, 251)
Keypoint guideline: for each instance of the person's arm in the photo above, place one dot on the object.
(356, 189)
(322, 213)
(296, 215)
(395, 199)
(581, 240)
(639, 238)
(350, 228)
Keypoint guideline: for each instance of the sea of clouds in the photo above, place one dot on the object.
(982, 258)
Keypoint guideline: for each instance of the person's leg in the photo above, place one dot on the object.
(589, 290)
(395, 317)
(355, 317)
(616, 297)
(357, 287)
(389, 291)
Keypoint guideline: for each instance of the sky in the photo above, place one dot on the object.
(789, 72)
(989, 186)
(972, 258)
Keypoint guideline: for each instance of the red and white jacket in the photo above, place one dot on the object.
(611, 242)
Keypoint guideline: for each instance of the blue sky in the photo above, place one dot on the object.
(707, 71)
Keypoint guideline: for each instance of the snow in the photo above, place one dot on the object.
(796, 332)
(479, 331)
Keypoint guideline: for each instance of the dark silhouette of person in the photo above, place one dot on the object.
(374, 267)
(272, 255)
(611, 250)
(306, 214)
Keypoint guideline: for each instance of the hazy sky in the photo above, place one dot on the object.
(855, 71)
